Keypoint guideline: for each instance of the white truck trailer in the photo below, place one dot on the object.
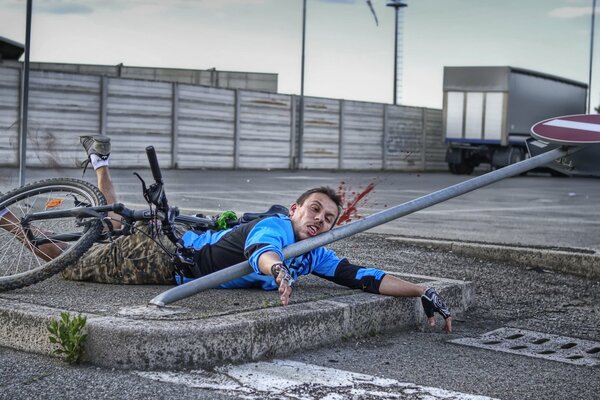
(489, 111)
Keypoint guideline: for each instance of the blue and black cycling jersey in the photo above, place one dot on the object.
(218, 250)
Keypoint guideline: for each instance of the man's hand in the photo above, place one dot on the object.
(284, 280)
(432, 303)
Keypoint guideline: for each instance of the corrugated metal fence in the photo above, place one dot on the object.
(203, 127)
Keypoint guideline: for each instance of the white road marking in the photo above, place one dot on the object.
(580, 126)
(284, 379)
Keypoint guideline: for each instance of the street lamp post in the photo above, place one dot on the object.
(397, 4)
(300, 138)
(591, 58)
(25, 99)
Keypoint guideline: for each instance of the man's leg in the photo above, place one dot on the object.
(108, 190)
(135, 259)
(98, 152)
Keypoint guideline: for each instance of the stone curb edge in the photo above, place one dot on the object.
(150, 344)
(570, 262)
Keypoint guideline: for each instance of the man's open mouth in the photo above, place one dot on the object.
(312, 230)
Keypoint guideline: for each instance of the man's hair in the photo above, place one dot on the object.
(327, 191)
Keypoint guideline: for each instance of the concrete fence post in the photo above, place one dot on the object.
(175, 125)
(19, 121)
(236, 129)
(103, 104)
(423, 137)
(300, 149)
(384, 140)
(293, 164)
(341, 135)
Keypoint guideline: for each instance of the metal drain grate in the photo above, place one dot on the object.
(537, 344)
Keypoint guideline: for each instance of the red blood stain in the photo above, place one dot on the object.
(350, 207)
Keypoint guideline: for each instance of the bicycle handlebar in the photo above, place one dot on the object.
(153, 160)
(158, 197)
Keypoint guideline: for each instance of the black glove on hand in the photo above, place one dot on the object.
(433, 302)
(284, 280)
(281, 268)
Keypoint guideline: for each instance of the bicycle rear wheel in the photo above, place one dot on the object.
(31, 251)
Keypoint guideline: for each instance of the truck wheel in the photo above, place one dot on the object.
(516, 155)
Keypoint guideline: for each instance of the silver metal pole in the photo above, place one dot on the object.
(301, 113)
(25, 100)
(396, 59)
(589, 97)
(236, 271)
(397, 4)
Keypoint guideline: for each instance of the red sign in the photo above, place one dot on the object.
(570, 129)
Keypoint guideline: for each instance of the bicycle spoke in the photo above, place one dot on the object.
(12, 244)
(7, 253)
(12, 239)
(21, 250)
(20, 207)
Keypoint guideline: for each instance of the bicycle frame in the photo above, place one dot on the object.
(130, 216)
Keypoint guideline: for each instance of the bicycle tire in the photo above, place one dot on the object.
(27, 261)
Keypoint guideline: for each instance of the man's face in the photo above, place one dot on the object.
(316, 215)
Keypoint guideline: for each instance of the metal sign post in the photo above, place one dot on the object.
(584, 129)
(25, 99)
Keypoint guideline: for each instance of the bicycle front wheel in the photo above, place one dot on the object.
(33, 249)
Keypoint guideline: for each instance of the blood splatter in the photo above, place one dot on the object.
(351, 200)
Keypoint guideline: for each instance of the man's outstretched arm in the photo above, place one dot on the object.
(374, 280)
(392, 286)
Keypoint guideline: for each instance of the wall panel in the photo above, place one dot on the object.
(9, 116)
(265, 130)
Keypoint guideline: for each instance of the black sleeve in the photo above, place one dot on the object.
(356, 277)
(252, 248)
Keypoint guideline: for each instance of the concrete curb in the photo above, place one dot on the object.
(575, 262)
(136, 338)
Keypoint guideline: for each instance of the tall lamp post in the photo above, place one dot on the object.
(301, 116)
(397, 4)
(589, 109)
(25, 99)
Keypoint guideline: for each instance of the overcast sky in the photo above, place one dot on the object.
(347, 54)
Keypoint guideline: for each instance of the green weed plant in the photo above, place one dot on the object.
(69, 334)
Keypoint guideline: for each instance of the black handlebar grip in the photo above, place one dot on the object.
(151, 153)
